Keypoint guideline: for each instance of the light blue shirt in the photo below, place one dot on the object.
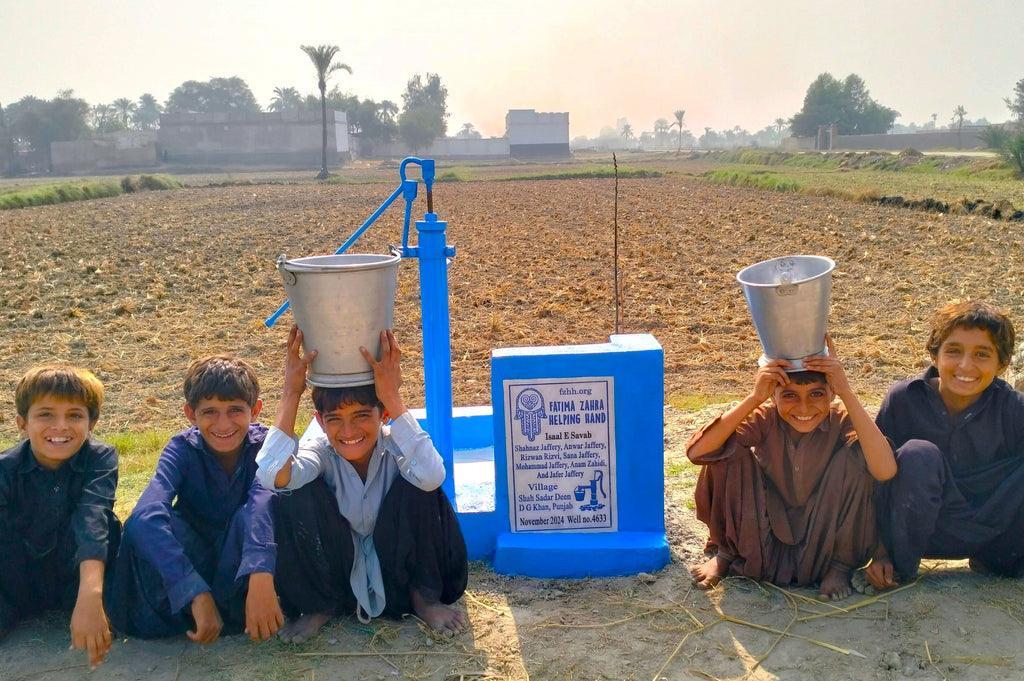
(403, 448)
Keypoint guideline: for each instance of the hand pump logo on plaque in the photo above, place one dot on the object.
(560, 440)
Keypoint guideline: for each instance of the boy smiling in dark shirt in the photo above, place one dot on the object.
(207, 560)
(57, 525)
(959, 433)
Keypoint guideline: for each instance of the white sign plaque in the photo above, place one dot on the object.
(560, 445)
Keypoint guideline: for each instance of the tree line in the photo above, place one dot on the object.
(29, 125)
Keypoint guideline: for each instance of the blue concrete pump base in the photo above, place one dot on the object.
(578, 555)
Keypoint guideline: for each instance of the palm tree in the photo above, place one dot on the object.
(660, 132)
(322, 56)
(679, 124)
(285, 99)
(102, 118)
(125, 106)
(147, 112)
(780, 123)
(387, 111)
(468, 132)
(958, 115)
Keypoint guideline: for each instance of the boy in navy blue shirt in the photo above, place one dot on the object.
(959, 430)
(57, 524)
(205, 563)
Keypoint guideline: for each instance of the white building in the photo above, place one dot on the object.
(533, 135)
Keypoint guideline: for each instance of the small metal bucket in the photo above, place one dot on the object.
(341, 302)
(788, 298)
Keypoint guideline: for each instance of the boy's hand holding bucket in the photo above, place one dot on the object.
(296, 365)
(387, 373)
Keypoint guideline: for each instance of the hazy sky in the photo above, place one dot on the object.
(726, 62)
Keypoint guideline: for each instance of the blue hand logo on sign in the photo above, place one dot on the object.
(529, 412)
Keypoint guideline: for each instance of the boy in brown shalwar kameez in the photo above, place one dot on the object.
(785, 489)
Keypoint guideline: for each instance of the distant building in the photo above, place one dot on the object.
(121, 150)
(289, 138)
(537, 135)
(969, 137)
(528, 134)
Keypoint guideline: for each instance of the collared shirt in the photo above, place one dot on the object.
(207, 498)
(36, 503)
(401, 449)
(981, 439)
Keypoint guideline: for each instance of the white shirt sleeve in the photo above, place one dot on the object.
(274, 454)
(418, 460)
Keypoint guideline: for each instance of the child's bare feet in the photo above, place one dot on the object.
(836, 585)
(443, 619)
(708, 574)
(302, 628)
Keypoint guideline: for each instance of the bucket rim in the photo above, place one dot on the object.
(365, 261)
(754, 284)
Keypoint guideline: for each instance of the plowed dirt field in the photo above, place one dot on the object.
(136, 286)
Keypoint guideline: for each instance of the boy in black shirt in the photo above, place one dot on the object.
(58, 530)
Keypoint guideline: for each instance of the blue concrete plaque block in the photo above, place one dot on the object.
(579, 458)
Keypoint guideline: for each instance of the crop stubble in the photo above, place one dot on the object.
(136, 286)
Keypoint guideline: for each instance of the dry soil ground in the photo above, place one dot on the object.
(136, 286)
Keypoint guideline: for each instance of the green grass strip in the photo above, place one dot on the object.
(49, 194)
(590, 173)
(149, 183)
(58, 193)
(596, 173)
(759, 179)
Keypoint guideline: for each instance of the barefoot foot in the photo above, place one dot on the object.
(442, 618)
(836, 585)
(303, 628)
(708, 574)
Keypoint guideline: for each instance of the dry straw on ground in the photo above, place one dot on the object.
(135, 287)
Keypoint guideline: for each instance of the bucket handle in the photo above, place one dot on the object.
(288, 276)
(786, 286)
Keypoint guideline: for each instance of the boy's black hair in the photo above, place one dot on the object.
(806, 377)
(329, 399)
(67, 382)
(222, 377)
(973, 314)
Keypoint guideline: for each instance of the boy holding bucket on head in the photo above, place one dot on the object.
(58, 530)
(785, 489)
(366, 527)
(959, 433)
(198, 552)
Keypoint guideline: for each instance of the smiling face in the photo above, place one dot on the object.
(353, 429)
(967, 362)
(803, 405)
(223, 423)
(56, 428)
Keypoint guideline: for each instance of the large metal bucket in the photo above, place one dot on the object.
(341, 302)
(788, 298)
